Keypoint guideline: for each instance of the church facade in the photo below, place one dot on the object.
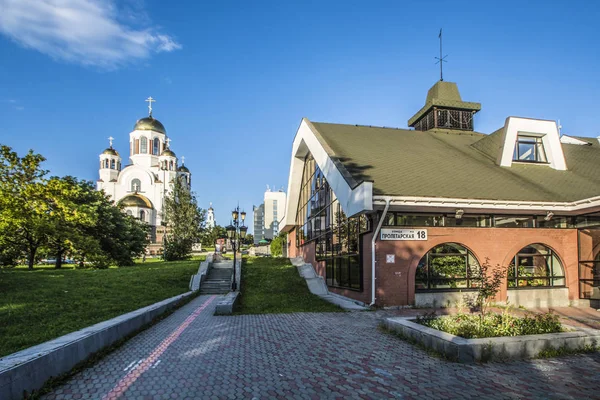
(142, 185)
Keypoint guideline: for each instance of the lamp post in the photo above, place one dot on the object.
(236, 234)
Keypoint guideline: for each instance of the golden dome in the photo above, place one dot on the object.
(149, 124)
(183, 168)
(135, 200)
(167, 152)
(111, 152)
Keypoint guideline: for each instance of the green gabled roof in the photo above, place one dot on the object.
(450, 164)
(444, 95)
(491, 144)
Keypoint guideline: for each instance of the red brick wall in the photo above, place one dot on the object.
(395, 282)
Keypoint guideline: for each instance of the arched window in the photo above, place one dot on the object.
(171, 165)
(129, 212)
(113, 165)
(143, 145)
(536, 265)
(136, 185)
(142, 215)
(448, 266)
(155, 146)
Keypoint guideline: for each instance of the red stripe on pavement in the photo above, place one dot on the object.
(134, 374)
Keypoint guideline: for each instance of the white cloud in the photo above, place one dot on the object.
(87, 32)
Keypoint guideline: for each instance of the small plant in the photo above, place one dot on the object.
(491, 279)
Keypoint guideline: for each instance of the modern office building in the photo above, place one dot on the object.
(397, 217)
(268, 215)
(259, 223)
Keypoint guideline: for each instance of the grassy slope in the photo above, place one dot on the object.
(271, 285)
(40, 305)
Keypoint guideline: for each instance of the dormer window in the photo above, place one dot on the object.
(529, 149)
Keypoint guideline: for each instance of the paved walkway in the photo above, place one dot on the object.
(193, 354)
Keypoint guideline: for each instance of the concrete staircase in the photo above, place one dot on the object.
(218, 280)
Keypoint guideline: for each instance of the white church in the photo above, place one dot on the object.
(142, 185)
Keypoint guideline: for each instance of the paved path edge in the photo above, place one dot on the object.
(29, 369)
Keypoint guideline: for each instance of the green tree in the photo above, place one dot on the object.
(184, 222)
(24, 211)
(249, 240)
(277, 245)
(118, 237)
(210, 235)
(73, 207)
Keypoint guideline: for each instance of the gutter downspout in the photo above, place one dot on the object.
(375, 234)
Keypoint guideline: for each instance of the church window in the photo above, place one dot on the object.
(529, 149)
(112, 164)
(171, 165)
(136, 185)
(143, 145)
(142, 215)
(129, 212)
(155, 147)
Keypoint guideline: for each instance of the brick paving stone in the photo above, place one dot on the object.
(313, 355)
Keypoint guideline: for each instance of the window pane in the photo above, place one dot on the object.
(355, 271)
(513, 221)
(535, 264)
(526, 151)
(448, 266)
(344, 273)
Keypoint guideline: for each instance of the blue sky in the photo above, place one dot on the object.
(233, 79)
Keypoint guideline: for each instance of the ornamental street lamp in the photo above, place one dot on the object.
(236, 234)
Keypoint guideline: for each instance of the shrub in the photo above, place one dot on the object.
(470, 326)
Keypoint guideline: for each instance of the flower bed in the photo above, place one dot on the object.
(472, 326)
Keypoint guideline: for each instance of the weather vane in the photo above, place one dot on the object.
(441, 59)
(150, 100)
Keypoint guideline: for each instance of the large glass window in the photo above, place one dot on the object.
(321, 219)
(529, 149)
(155, 146)
(448, 266)
(536, 266)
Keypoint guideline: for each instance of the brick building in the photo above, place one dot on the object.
(397, 217)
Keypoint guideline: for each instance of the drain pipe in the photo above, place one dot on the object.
(375, 234)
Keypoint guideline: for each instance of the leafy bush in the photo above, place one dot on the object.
(470, 326)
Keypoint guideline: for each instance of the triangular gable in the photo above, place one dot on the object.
(353, 197)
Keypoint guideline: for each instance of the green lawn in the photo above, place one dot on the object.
(39, 305)
(273, 285)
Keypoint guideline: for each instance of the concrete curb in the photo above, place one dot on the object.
(226, 305)
(503, 348)
(29, 369)
(317, 286)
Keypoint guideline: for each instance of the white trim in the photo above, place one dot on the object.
(574, 206)
(547, 130)
(353, 201)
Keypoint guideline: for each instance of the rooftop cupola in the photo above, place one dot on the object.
(444, 109)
